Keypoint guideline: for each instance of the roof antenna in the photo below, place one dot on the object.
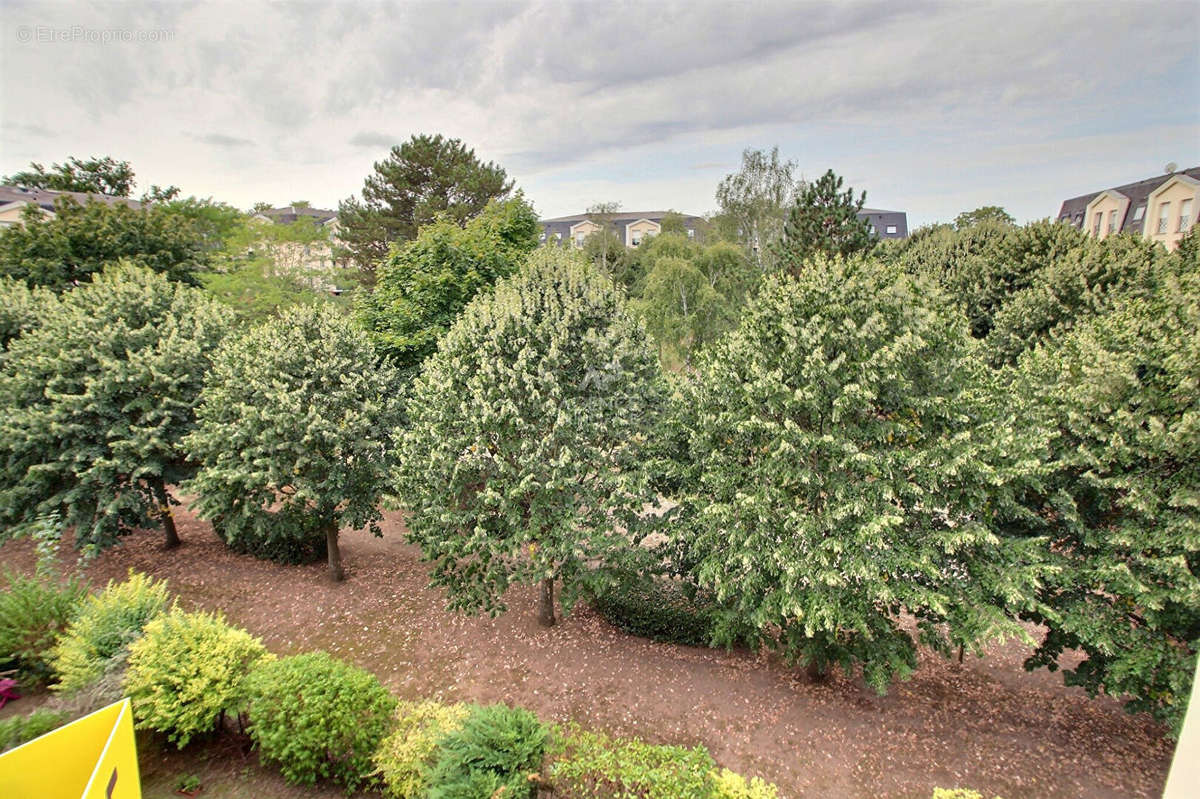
(1171, 167)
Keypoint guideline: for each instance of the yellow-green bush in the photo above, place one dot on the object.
(187, 671)
(593, 766)
(404, 756)
(957, 793)
(98, 639)
(731, 785)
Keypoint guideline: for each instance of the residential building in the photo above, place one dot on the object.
(15, 199)
(886, 224)
(310, 260)
(631, 227)
(1162, 208)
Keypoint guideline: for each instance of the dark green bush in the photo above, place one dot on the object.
(33, 614)
(16, 730)
(318, 717)
(660, 609)
(498, 751)
(593, 766)
(267, 543)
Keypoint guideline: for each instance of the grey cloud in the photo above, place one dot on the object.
(222, 140)
(373, 139)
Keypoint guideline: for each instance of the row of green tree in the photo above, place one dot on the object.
(922, 443)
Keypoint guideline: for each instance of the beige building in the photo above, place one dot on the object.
(631, 227)
(1161, 208)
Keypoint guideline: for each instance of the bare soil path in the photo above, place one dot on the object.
(985, 724)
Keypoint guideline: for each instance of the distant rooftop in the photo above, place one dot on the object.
(45, 198)
(291, 213)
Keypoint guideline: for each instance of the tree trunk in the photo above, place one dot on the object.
(170, 534)
(817, 673)
(546, 615)
(335, 554)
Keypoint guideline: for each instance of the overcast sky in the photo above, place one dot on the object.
(933, 108)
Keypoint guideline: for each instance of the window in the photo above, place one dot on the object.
(1185, 215)
(579, 237)
(1096, 224)
(1138, 213)
(636, 238)
(870, 228)
(691, 233)
(542, 237)
(1112, 222)
(1164, 213)
(891, 229)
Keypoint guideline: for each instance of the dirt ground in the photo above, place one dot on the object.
(985, 724)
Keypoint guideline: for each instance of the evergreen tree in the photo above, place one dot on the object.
(824, 221)
(420, 180)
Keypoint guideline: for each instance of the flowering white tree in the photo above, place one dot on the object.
(522, 462)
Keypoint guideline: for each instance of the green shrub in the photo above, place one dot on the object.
(318, 717)
(33, 615)
(404, 756)
(659, 609)
(98, 639)
(497, 749)
(731, 785)
(592, 766)
(16, 730)
(187, 671)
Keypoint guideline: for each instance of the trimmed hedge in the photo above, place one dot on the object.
(659, 609)
(592, 765)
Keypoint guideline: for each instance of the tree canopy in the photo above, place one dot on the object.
(754, 201)
(80, 240)
(94, 176)
(522, 462)
(988, 214)
(426, 283)
(1113, 403)
(292, 433)
(420, 180)
(96, 400)
(842, 474)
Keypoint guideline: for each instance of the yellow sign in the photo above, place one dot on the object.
(94, 757)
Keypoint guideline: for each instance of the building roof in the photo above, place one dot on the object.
(621, 216)
(291, 213)
(45, 198)
(1072, 210)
